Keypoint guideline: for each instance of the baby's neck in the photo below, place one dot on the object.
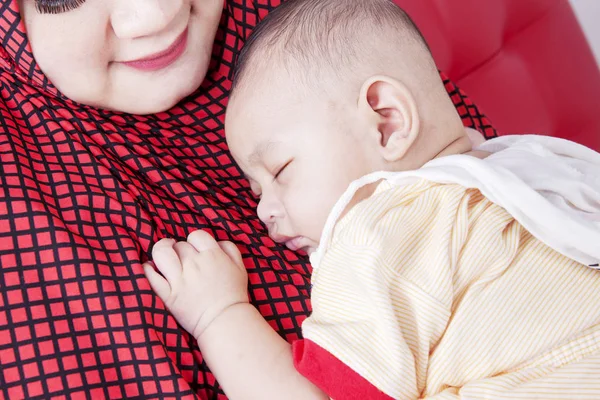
(462, 145)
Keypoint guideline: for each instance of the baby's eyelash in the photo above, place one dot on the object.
(56, 6)
(281, 169)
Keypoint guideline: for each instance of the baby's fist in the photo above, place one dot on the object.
(200, 279)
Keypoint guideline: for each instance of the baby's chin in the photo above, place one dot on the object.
(308, 251)
(305, 251)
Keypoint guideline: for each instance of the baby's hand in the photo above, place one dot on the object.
(202, 278)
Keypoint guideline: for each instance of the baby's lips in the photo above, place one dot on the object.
(295, 244)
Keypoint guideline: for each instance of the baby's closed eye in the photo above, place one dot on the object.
(279, 171)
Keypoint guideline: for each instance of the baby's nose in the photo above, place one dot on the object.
(263, 214)
(269, 210)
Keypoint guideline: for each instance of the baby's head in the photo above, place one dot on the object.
(327, 91)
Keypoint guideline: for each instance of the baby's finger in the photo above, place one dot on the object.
(202, 240)
(232, 251)
(159, 284)
(185, 250)
(166, 259)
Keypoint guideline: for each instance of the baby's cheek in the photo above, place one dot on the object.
(304, 207)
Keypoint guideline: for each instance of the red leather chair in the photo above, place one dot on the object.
(525, 63)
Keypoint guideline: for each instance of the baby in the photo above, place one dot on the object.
(438, 272)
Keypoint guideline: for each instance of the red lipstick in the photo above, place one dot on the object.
(162, 59)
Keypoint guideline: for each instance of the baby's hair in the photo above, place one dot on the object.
(309, 37)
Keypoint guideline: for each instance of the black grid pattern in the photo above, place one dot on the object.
(83, 195)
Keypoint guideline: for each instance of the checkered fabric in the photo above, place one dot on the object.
(84, 193)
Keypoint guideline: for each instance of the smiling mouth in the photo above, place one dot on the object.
(162, 59)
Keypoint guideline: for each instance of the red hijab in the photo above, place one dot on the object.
(84, 193)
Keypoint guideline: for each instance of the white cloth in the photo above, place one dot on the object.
(550, 186)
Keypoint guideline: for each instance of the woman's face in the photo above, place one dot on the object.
(134, 56)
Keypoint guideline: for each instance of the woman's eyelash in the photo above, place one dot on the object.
(57, 6)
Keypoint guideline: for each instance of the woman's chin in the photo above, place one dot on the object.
(145, 104)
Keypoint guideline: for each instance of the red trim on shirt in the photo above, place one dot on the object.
(331, 375)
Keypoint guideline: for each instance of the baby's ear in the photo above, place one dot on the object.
(392, 112)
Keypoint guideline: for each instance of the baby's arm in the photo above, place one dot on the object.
(204, 286)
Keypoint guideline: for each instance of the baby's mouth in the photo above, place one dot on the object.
(295, 244)
(300, 245)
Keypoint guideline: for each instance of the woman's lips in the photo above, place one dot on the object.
(163, 59)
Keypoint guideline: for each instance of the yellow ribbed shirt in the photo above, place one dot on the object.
(432, 290)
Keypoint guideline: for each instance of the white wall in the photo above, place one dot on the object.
(588, 12)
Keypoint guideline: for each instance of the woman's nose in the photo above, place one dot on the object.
(132, 19)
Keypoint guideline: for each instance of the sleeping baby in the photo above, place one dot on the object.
(440, 271)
